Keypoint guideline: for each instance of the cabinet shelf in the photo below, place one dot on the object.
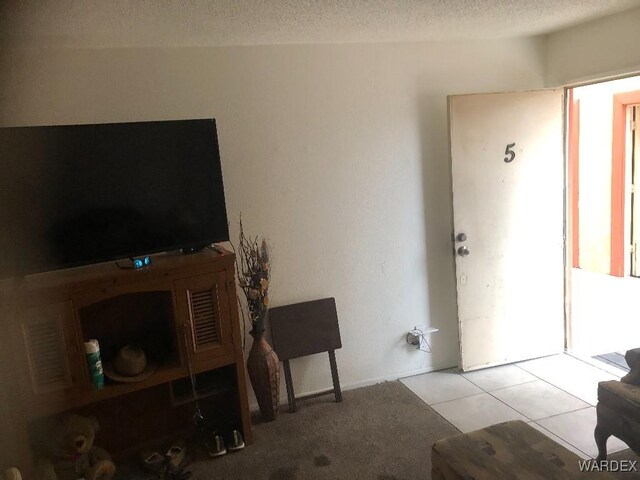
(208, 384)
(56, 404)
(50, 316)
(164, 373)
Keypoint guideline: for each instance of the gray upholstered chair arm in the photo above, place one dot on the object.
(633, 360)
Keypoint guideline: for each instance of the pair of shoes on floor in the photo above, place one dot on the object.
(174, 457)
(216, 446)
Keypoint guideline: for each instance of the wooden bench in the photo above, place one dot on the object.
(506, 451)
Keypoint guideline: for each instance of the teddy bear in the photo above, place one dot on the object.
(11, 474)
(67, 452)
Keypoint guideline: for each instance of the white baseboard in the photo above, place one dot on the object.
(364, 383)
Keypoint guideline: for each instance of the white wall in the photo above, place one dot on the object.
(337, 153)
(595, 50)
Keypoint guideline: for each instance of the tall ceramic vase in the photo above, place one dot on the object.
(263, 366)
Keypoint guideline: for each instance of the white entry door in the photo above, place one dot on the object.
(508, 207)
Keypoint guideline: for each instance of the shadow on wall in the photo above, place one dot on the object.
(438, 221)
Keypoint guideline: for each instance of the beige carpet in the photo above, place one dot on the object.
(381, 432)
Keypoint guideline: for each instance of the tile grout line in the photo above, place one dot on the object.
(524, 383)
(605, 362)
(551, 416)
(451, 399)
(512, 408)
(589, 405)
(486, 392)
(502, 388)
(508, 406)
(437, 413)
(483, 390)
(587, 363)
(556, 386)
(568, 443)
(501, 401)
(551, 385)
(558, 414)
(458, 398)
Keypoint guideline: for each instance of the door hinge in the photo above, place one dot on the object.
(633, 188)
(633, 125)
(632, 249)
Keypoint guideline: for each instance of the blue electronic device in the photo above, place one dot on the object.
(141, 262)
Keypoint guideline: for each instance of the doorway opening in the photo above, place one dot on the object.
(604, 219)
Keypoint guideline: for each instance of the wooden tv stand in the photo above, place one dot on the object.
(182, 309)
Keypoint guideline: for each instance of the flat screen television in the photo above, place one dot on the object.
(80, 194)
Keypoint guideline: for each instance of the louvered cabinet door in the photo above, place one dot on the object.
(203, 312)
(51, 346)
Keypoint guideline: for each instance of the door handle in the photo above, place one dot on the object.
(463, 251)
(461, 237)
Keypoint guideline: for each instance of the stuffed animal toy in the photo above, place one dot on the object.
(67, 451)
(11, 474)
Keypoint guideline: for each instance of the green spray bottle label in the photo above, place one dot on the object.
(95, 363)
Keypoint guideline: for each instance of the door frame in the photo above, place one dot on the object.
(571, 191)
(621, 102)
(571, 213)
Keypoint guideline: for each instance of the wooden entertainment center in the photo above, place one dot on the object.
(182, 310)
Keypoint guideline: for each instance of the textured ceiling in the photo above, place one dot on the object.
(127, 23)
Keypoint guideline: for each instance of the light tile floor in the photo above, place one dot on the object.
(556, 395)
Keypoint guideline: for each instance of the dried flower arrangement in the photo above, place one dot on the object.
(253, 276)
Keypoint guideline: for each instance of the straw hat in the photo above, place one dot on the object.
(130, 365)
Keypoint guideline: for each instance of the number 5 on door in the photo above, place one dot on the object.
(511, 153)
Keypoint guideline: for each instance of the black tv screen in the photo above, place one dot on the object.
(80, 194)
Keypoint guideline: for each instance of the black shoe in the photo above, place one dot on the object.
(214, 444)
(235, 441)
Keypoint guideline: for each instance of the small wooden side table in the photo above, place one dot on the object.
(304, 329)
